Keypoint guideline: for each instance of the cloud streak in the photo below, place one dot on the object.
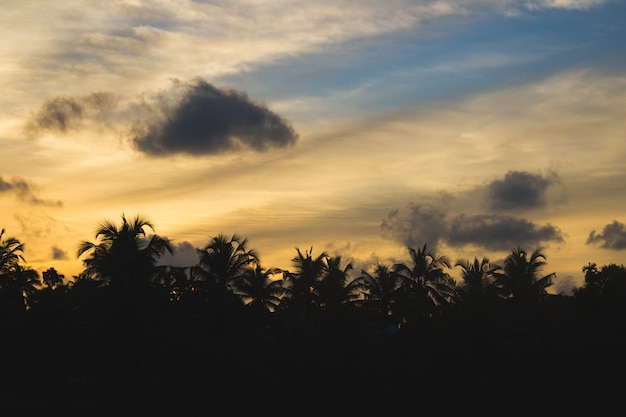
(24, 191)
(65, 114)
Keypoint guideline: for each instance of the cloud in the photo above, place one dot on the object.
(519, 190)
(566, 285)
(58, 253)
(37, 224)
(564, 4)
(613, 236)
(499, 232)
(197, 118)
(417, 224)
(63, 114)
(184, 254)
(24, 191)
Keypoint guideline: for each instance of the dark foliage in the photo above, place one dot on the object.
(129, 333)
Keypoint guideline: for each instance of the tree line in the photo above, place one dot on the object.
(317, 329)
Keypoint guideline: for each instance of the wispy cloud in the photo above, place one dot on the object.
(561, 4)
(63, 114)
(24, 191)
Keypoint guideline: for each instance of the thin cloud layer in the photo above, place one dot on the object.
(198, 118)
(63, 114)
(24, 192)
(613, 236)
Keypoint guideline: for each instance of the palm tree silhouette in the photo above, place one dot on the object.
(423, 286)
(477, 290)
(521, 278)
(18, 283)
(222, 261)
(334, 287)
(11, 251)
(259, 290)
(303, 281)
(124, 258)
(378, 288)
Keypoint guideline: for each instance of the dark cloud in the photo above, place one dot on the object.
(613, 236)
(415, 225)
(193, 118)
(184, 254)
(419, 224)
(519, 190)
(197, 118)
(58, 253)
(499, 232)
(566, 285)
(24, 192)
(61, 114)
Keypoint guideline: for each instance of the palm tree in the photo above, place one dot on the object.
(301, 305)
(378, 288)
(336, 286)
(303, 282)
(259, 290)
(477, 289)
(521, 278)
(11, 251)
(17, 282)
(124, 258)
(223, 260)
(423, 286)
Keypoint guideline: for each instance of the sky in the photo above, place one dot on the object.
(355, 128)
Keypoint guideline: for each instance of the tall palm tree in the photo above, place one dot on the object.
(522, 279)
(223, 260)
(124, 257)
(423, 285)
(18, 283)
(11, 251)
(478, 283)
(303, 282)
(301, 305)
(378, 287)
(259, 290)
(334, 288)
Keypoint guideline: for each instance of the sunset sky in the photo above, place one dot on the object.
(357, 128)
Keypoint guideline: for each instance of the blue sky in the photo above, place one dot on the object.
(354, 128)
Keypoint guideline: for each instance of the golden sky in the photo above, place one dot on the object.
(354, 128)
